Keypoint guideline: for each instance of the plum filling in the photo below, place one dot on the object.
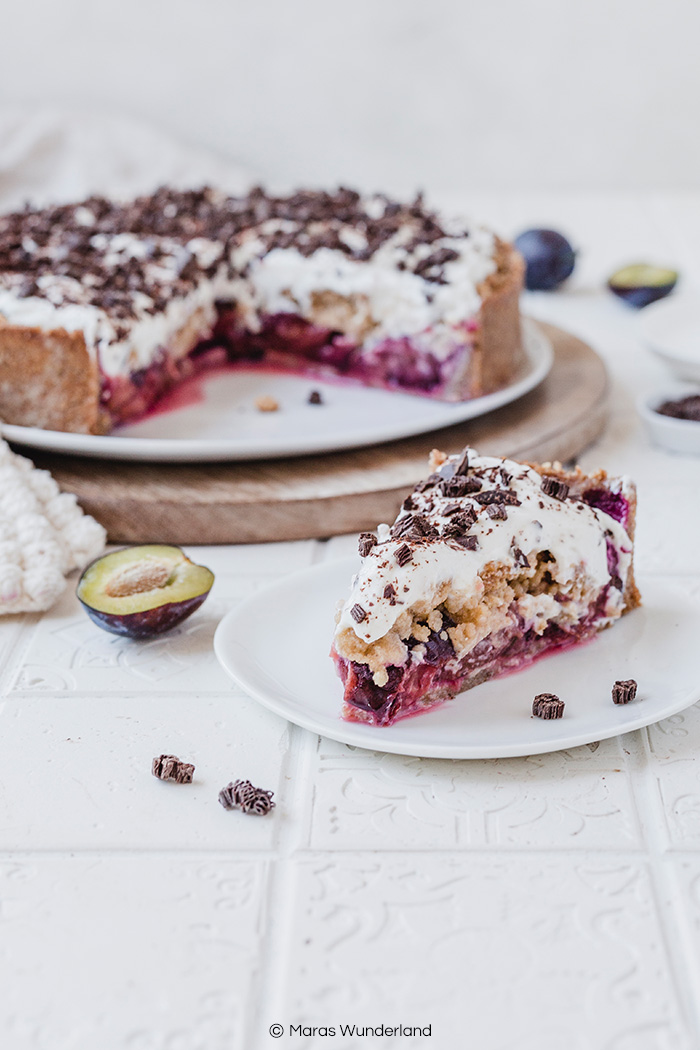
(612, 503)
(290, 343)
(439, 675)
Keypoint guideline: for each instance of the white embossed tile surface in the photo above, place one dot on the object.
(541, 903)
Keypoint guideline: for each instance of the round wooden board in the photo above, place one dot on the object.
(318, 496)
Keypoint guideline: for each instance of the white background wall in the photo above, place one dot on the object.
(454, 96)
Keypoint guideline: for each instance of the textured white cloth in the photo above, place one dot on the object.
(43, 535)
(52, 155)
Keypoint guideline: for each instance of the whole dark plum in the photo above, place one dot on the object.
(549, 259)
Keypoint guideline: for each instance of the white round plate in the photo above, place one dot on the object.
(275, 645)
(224, 424)
(671, 328)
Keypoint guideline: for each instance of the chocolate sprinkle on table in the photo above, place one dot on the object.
(404, 554)
(315, 398)
(547, 705)
(358, 613)
(624, 690)
(553, 487)
(240, 794)
(169, 767)
(365, 543)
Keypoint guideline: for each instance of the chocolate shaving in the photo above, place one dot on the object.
(459, 486)
(404, 554)
(497, 511)
(470, 543)
(465, 518)
(624, 690)
(451, 508)
(497, 496)
(428, 483)
(520, 558)
(408, 504)
(390, 593)
(240, 794)
(366, 541)
(358, 613)
(169, 767)
(462, 465)
(616, 582)
(553, 487)
(414, 527)
(315, 398)
(547, 705)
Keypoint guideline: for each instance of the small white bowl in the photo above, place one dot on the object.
(671, 329)
(674, 435)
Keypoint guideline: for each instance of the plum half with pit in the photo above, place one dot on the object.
(549, 259)
(143, 591)
(641, 283)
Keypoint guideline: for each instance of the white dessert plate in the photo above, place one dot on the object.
(275, 646)
(671, 328)
(222, 422)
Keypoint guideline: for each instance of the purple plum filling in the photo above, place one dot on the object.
(439, 676)
(289, 343)
(612, 503)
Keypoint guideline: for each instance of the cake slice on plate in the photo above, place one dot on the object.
(489, 564)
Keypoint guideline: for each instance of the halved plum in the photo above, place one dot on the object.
(641, 284)
(143, 591)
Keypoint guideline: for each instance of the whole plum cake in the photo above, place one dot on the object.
(105, 305)
(489, 565)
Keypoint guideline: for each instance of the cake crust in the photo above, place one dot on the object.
(48, 380)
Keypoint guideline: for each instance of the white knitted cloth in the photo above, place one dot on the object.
(43, 535)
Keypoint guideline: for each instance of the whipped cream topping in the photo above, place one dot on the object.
(129, 276)
(575, 534)
(399, 301)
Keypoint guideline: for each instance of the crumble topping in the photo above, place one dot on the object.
(267, 403)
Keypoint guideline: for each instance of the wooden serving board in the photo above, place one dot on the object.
(325, 495)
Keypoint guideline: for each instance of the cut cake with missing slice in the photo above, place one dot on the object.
(489, 565)
(106, 305)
